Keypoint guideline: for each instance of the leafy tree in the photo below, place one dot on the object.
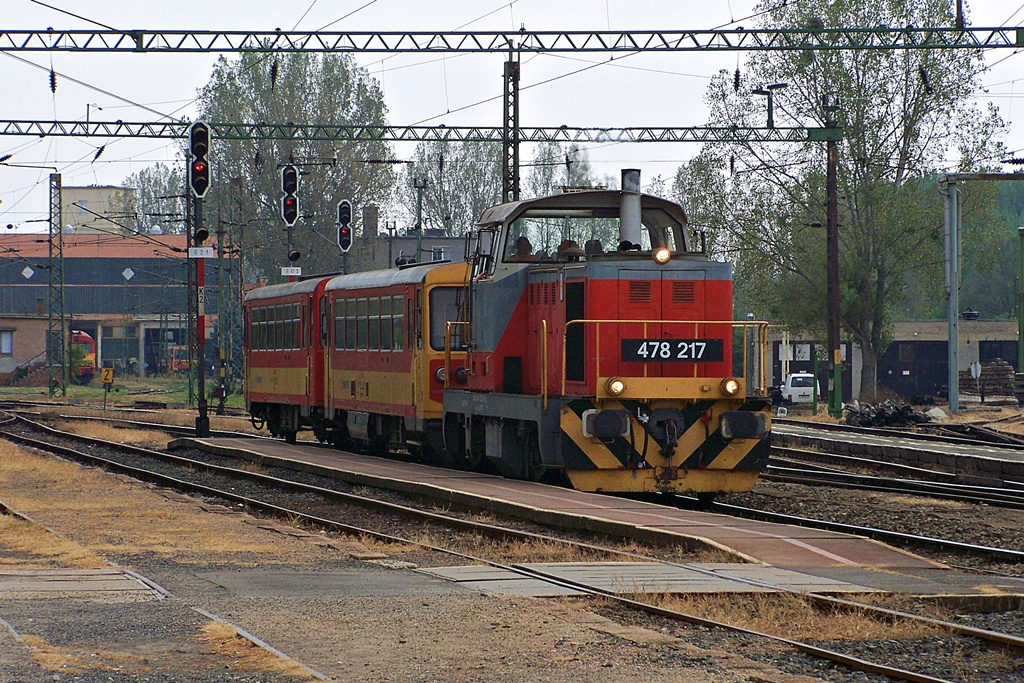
(990, 266)
(901, 111)
(462, 179)
(301, 88)
(556, 168)
(159, 199)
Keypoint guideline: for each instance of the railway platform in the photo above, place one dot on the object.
(830, 555)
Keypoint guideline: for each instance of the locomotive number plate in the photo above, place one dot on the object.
(668, 350)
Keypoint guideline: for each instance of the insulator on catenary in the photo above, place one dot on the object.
(736, 80)
(53, 81)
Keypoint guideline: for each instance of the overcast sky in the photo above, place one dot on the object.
(643, 89)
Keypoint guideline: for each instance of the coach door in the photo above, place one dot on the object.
(326, 324)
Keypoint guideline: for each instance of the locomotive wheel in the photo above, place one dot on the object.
(532, 444)
(454, 451)
(473, 457)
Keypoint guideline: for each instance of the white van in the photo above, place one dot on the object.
(798, 388)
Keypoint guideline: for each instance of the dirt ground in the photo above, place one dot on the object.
(330, 603)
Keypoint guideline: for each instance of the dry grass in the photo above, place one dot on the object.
(251, 466)
(70, 661)
(791, 616)
(375, 545)
(979, 414)
(822, 415)
(179, 417)
(239, 653)
(127, 518)
(27, 546)
(104, 432)
(920, 501)
(513, 551)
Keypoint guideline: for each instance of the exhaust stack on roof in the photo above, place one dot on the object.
(629, 209)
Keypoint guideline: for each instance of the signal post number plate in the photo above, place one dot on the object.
(672, 350)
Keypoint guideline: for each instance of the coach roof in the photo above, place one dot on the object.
(285, 289)
(384, 278)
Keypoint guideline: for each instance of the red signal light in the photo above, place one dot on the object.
(345, 237)
(290, 209)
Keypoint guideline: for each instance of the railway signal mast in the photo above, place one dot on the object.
(199, 185)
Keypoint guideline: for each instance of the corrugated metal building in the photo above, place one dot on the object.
(127, 291)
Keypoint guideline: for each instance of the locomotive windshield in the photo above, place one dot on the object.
(568, 235)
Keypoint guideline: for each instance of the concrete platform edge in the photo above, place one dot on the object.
(574, 522)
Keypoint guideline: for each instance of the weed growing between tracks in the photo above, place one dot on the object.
(791, 616)
(501, 551)
(130, 519)
(241, 654)
(68, 660)
(147, 438)
(24, 545)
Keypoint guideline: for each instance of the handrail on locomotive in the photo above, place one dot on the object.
(754, 362)
(448, 348)
(757, 365)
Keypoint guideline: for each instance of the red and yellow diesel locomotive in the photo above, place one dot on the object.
(616, 364)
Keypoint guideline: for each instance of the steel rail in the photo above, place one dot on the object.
(270, 508)
(944, 491)
(892, 433)
(879, 534)
(180, 430)
(804, 456)
(501, 42)
(894, 537)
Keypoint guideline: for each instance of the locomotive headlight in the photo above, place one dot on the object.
(730, 386)
(615, 386)
(662, 255)
(439, 375)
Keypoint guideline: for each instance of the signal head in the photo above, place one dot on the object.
(201, 234)
(344, 212)
(290, 209)
(345, 237)
(289, 179)
(293, 255)
(199, 164)
(199, 139)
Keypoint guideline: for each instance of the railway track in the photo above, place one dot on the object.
(796, 472)
(891, 537)
(956, 489)
(971, 435)
(10, 431)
